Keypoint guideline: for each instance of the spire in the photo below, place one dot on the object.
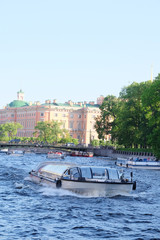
(20, 95)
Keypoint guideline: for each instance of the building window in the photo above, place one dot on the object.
(42, 114)
(71, 124)
(79, 116)
(79, 125)
(12, 115)
(71, 115)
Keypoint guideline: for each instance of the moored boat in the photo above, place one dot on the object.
(56, 155)
(16, 153)
(87, 180)
(4, 150)
(81, 154)
(139, 163)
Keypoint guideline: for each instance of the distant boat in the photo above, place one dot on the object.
(56, 155)
(87, 180)
(5, 150)
(139, 163)
(81, 154)
(15, 153)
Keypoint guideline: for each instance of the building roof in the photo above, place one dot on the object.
(68, 105)
(18, 103)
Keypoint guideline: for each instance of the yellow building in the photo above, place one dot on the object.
(78, 118)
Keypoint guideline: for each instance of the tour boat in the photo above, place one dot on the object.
(139, 163)
(81, 154)
(55, 154)
(87, 180)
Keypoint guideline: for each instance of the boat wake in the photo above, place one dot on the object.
(50, 192)
(19, 185)
(53, 192)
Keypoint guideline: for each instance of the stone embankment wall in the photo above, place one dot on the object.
(103, 151)
(111, 152)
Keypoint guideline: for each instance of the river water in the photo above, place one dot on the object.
(30, 211)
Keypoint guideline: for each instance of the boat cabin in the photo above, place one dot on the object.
(80, 173)
(87, 172)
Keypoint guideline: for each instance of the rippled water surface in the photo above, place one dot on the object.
(30, 211)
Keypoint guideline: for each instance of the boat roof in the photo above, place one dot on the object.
(58, 163)
(54, 167)
(98, 167)
(59, 168)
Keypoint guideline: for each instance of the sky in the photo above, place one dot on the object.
(76, 49)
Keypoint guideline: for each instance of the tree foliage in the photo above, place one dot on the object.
(151, 103)
(105, 121)
(48, 131)
(133, 119)
(3, 133)
(52, 132)
(9, 130)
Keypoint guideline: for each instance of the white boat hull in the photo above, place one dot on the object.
(152, 165)
(88, 188)
(16, 153)
(4, 150)
(97, 188)
(55, 156)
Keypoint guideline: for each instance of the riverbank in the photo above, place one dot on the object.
(113, 153)
(101, 152)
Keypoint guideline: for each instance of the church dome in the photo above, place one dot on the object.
(18, 103)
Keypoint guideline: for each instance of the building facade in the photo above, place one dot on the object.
(78, 118)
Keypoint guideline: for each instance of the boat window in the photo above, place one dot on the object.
(74, 173)
(56, 169)
(66, 174)
(86, 172)
(113, 174)
(98, 172)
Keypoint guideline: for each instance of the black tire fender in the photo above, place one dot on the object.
(58, 183)
(134, 185)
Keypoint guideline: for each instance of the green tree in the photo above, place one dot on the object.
(151, 103)
(56, 131)
(95, 143)
(105, 121)
(3, 133)
(66, 137)
(49, 131)
(11, 129)
(131, 123)
(43, 130)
